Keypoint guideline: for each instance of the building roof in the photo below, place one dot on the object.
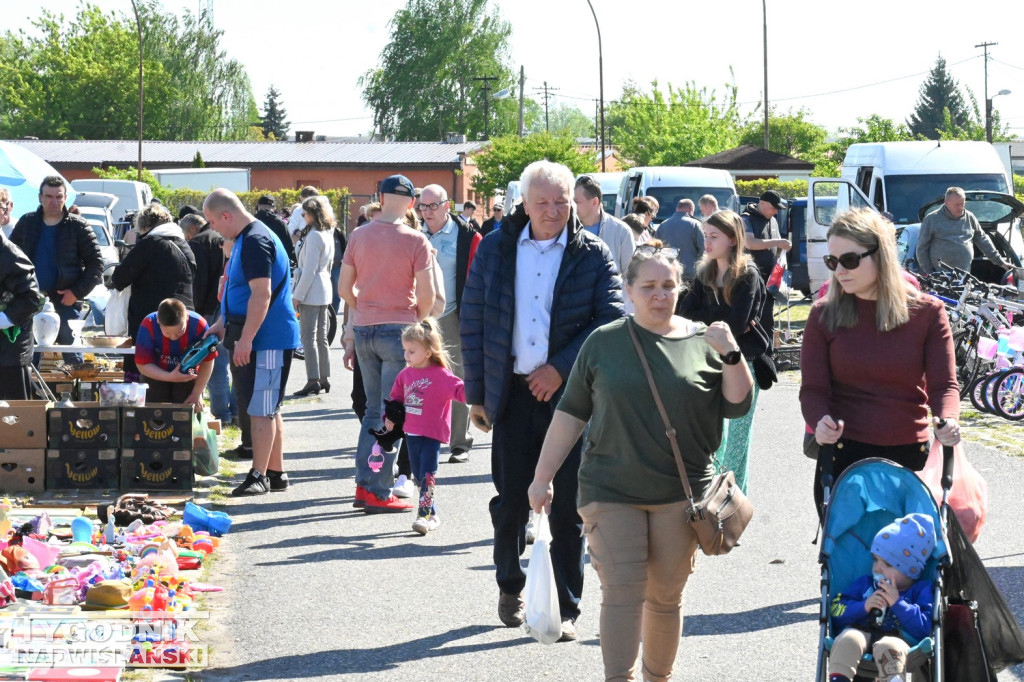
(749, 157)
(120, 152)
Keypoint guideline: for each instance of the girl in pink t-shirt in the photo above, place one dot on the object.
(426, 387)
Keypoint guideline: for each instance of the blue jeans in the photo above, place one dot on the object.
(336, 297)
(424, 453)
(381, 358)
(223, 403)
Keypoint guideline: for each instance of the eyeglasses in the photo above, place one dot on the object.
(5, 208)
(431, 207)
(648, 250)
(849, 261)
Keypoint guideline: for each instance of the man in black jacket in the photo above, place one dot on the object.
(537, 288)
(64, 251)
(493, 222)
(19, 301)
(762, 241)
(455, 242)
(265, 213)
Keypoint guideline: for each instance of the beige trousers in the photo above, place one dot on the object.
(890, 654)
(643, 555)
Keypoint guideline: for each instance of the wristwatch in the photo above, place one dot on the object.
(733, 357)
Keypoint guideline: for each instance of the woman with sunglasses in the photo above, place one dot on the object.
(630, 495)
(876, 355)
(728, 288)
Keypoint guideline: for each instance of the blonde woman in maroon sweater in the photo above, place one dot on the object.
(876, 355)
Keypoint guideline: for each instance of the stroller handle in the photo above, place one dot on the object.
(947, 463)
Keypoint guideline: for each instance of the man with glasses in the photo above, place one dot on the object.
(494, 222)
(6, 212)
(536, 290)
(65, 253)
(455, 242)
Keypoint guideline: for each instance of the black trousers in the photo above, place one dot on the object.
(515, 449)
(912, 456)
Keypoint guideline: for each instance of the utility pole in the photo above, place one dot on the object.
(522, 85)
(487, 101)
(547, 95)
(138, 27)
(764, 14)
(600, 76)
(988, 102)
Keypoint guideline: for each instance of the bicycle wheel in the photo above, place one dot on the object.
(977, 393)
(965, 350)
(988, 392)
(1008, 394)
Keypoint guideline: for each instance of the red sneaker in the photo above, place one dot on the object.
(390, 505)
(361, 494)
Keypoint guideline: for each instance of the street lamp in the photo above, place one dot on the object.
(988, 114)
(600, 76)
(138, 27)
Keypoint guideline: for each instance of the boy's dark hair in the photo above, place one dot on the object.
(53, 181)
(170, 313)
(469, 204)
(309, 191)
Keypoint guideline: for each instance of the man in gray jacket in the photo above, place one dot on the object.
(612, 231)
(682, 231)
(948, 234)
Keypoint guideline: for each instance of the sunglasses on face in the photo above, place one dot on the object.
(849, 261)
(648, 250)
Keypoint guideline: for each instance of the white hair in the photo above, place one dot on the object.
(548, 171)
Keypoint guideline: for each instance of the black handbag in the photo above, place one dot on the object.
(764, 371)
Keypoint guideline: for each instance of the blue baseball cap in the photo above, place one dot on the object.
(397, 184)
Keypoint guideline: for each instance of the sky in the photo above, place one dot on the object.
(837, 62)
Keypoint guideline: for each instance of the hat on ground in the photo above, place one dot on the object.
(906, 544)
(185, 210)
(773, 198)
(108, 595)
(266, 200)
(397, 184)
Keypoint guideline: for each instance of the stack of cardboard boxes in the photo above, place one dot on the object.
(92, 447)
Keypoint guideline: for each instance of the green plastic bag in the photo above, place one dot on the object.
(205, 458)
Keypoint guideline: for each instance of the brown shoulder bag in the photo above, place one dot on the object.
(721, 516)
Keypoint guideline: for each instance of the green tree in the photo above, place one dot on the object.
(506, 158)
(566, 118)
(197, 160)
(792, 134)
(938, 94)
(77, 78)
(424, 85)
(873, 128)
(652, 130)
(273, 122)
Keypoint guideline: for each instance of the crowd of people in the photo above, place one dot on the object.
(531, 323)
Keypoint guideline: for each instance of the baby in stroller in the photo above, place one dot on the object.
(889, 607)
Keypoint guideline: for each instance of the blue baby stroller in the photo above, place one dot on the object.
(868, 495)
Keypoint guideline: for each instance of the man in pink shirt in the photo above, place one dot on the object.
(386, 281)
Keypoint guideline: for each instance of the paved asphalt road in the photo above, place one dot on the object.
(317, 590)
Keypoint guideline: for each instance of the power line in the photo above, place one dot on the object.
(1000, 61)
(547, 96)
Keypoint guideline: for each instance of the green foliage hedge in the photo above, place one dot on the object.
(790, 189)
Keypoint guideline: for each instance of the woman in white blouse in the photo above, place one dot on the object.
(312, 291)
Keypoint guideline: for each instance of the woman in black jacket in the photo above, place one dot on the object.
(160, 265)
(19, 301)
(728, 288)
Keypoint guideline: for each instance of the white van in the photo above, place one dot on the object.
(669, 184)
(131, 194)
(901, 177)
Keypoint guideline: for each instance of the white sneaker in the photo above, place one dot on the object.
(425, 524)
(531, 528)
(403, 487)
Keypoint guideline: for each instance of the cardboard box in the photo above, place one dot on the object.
(84, 426)
(82, 469)
(160, 426)
(22, 471)
(156, 469)
(23, 424)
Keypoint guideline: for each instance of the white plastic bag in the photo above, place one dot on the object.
(543, 617)
(115, 322)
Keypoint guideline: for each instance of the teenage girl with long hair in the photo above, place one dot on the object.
(728, 288)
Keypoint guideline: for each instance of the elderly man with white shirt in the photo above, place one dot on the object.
(539, 285)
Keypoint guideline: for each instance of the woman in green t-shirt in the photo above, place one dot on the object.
(631, 499)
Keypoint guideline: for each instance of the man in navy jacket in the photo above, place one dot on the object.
(539, 285)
